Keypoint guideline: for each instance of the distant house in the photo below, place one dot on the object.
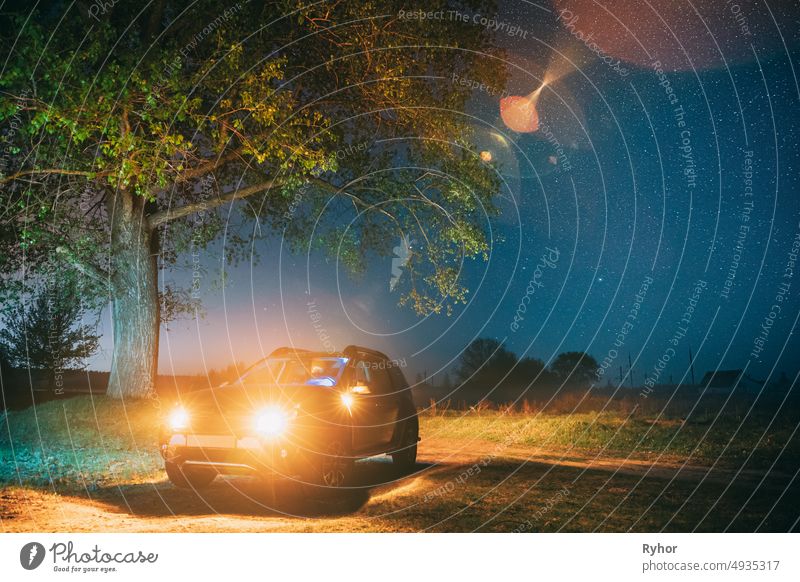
(725, 381)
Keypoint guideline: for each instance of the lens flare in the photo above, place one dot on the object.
(179, 419)
(347, 400)
(519, 112)
(272, 421)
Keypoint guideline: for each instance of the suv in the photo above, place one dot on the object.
(296, 414)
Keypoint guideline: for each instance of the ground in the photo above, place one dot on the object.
(499, 481)
(453, 489)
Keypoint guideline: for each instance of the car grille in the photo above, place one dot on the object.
(222, 424)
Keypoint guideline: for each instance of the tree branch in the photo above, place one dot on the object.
(60, 171)
(208, 166)
(357, 202)
(91, 271)
(163, 216)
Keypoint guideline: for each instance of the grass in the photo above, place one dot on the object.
(80, 443)
(727, 441)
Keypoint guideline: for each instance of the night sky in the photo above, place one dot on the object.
(673, 197)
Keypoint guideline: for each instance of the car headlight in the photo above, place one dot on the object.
(347, 400)
(272, 421)
(179, 419)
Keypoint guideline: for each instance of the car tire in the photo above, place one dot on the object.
(330, 469)
(189, 477)
(405, 459)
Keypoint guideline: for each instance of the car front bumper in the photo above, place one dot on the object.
(228, 454)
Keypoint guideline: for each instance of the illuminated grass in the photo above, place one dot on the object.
(641, 438)
(79, 443)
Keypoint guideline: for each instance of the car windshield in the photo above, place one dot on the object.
(325, 371)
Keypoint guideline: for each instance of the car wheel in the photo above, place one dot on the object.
(189, 477)
(331, 468)
(405, 459)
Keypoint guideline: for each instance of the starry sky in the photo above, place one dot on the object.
(669, 195)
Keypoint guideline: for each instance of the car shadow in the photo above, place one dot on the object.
(250, 496)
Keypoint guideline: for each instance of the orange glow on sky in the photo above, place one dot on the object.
(519, 113)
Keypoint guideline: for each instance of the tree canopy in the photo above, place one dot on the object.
(575, 367)
(486, 361)
(189, 106)
(137, 133)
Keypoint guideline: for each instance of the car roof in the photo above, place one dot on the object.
(349, 352)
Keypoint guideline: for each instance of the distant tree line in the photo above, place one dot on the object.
(489, 371)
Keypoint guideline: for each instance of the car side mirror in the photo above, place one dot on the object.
(360, 389)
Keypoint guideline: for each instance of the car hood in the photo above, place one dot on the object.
(235, 399)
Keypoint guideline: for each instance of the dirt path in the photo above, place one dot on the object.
(375, 504)
(666, 467)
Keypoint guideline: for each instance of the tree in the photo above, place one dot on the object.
(575, 367)
(5, 367)
(530, 370)
(46, 332)
(132, 142)
(485, 361)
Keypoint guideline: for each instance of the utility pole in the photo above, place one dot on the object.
(620, 375)
(691, 364)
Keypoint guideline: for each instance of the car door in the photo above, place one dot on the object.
(384, 399)
(366, 414)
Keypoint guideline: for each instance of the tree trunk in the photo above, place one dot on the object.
(135, 306)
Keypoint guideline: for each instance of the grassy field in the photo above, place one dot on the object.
(91, 464)
(729, 442)
(90, 442)
(80, 443)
